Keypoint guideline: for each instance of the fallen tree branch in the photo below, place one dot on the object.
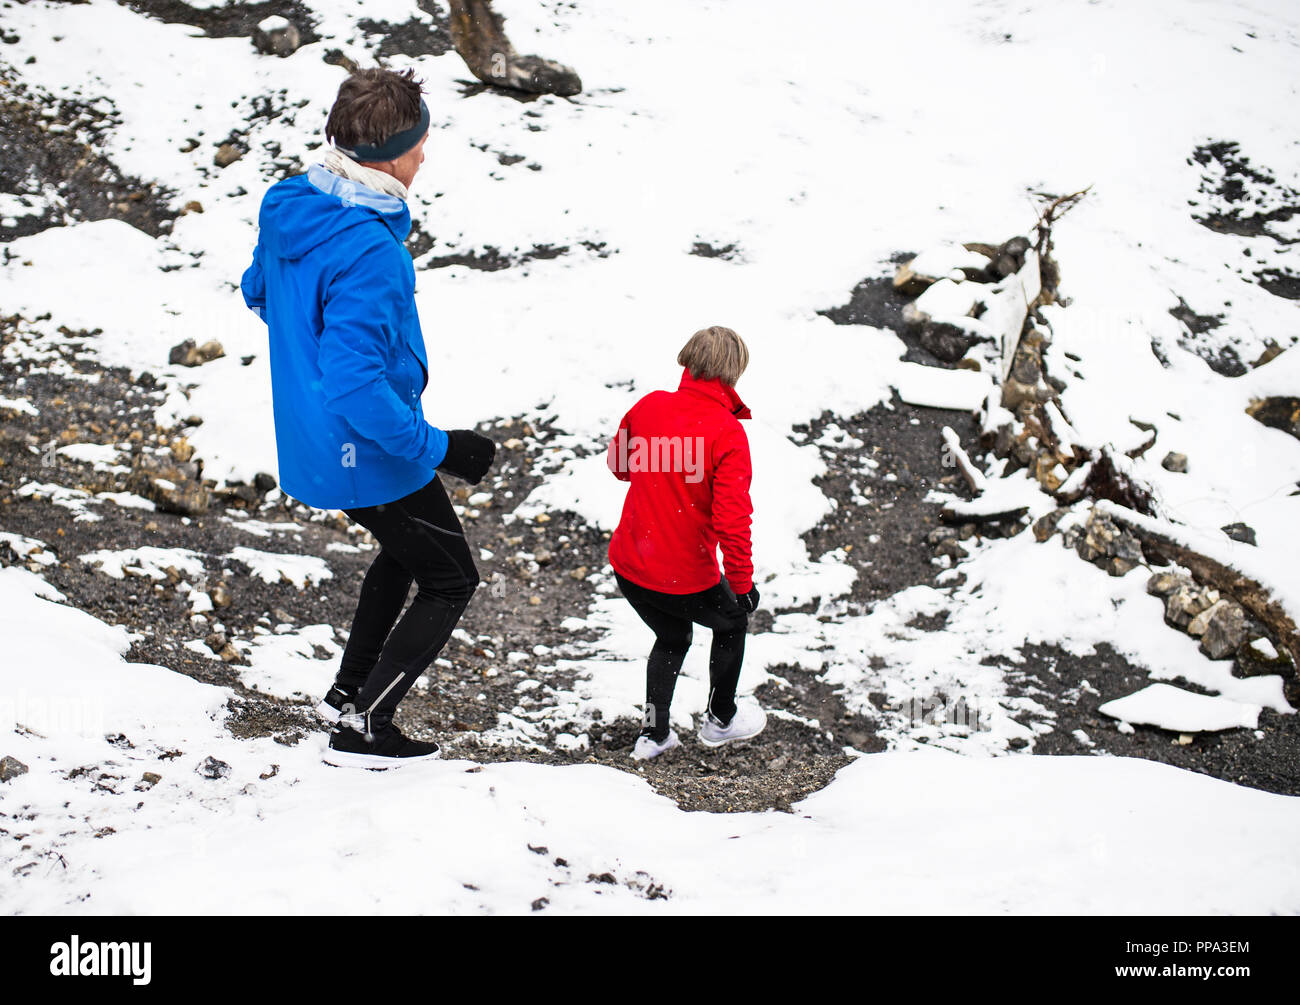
(1054, 210)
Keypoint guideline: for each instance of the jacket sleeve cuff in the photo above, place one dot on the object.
(435, 451)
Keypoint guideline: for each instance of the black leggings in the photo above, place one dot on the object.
(420, 539)
(670, 616)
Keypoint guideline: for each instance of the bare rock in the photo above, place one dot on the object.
(1175, 462)
(1009, 258)
(1164, 583)
(220, 594)
(1226, 632)
(227, 154)
(944, 341)
(1108, 546)
(1260, 656)
(1240, 532)
(188, 354)
(172, 486)
(1045, 526)
(1196, 627)
(1186, 602)
(940, 534)
(11, 767)
(1271, 352)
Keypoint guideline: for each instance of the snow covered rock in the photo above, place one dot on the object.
(952, 261)
(1279, 412)
(277, 36)
(1172, 708)
(934, 387)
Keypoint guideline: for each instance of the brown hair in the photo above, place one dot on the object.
(715, 353)
(373, 105)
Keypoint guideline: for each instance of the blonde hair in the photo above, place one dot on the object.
(715, 353)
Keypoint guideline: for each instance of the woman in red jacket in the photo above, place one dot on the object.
(686, 459)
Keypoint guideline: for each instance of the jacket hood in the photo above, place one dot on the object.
(721, 393)
(303, 212)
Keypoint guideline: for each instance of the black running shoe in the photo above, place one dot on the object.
(336, 700)
(386, 747)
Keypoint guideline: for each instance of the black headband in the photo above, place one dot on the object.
(393, 147)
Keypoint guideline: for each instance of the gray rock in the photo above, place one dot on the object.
(1175, 462)
(1108, 546)
(1226, 632)
(1164, 583)
(277, 36)
(952, 548)
(1008, 258)
(1240, 532)
(1253, 663)
(11, 767)
(944, 341)
(212, 768)
(147, 781)
(939, 535)
(226, 155)
(1045, 525)
(188, 354)
(1199, 623)
(172, 486)
(1185, 603)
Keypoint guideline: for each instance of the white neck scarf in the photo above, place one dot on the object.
(344, 166)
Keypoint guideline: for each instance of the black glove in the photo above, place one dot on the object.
(748, 601)
(469, 455)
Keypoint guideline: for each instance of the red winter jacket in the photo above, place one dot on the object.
(687, 459)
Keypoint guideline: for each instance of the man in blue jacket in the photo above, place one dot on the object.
(336, 287)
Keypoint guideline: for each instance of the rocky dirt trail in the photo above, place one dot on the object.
(542, 572)
(881, 465)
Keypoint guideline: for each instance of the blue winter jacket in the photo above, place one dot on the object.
(336, 287)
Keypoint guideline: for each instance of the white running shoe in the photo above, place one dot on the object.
(748, 721)
(646, 748)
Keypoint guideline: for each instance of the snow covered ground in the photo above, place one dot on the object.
(253, 826)
(820, 146)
